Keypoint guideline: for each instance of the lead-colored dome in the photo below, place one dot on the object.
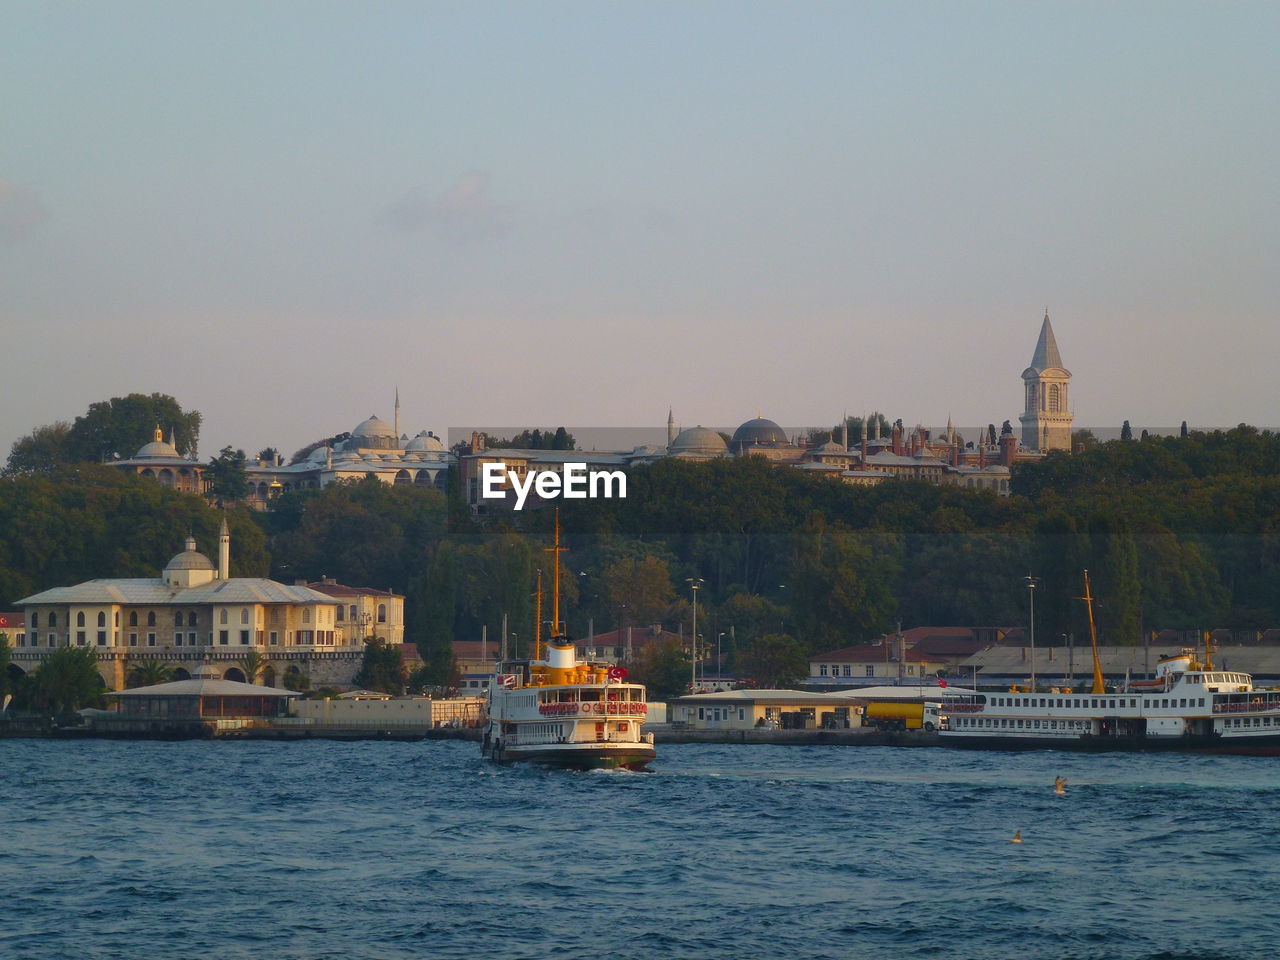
(373, 427)
(156, 449)
(698, 440)
(760, 432)
(189, 559)
(425, 441)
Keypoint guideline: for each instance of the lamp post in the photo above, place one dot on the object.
(1032, 583)
(719, 662)
(694, 584)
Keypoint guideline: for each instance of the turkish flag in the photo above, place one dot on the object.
(941, 682)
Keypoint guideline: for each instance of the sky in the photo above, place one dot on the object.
(587, 213)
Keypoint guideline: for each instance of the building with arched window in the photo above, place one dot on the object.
(160, 461)
(1046, 417)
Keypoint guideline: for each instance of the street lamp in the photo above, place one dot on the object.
(1032, 583)
(719, 662)
(694, 584)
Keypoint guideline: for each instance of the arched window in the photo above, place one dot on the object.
(244, 614)
(306, 615)
(177, 618)
(151, 618)
(222, 616)
(382, 613)
(133, 618)
(35, 619)
(102, 618)
(191, 618)
(53, 618)
(80, 619)
(352, 612)
(341, 610)
(1055, 403)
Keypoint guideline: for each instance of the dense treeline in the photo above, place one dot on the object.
(1176, 533)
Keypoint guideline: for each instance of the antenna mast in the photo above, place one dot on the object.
(1099, 686)
(537, 619)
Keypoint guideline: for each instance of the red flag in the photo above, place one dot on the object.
(617, 673)
(941, 682)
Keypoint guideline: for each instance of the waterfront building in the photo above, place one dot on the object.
(192, 614)
(364, 612)
(886, 662)
(774, 709)
(199, 705)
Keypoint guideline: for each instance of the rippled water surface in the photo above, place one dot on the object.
(387, 850)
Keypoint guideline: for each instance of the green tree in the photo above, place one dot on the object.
(642, 585)
(253, 662)
(226, 475)
(148, 674)
(841, 586)
(1182, 432)
(295, 679)
(663, 666)
(68, 679)
(776, 660)
(43, 450)
(382, 667)
(1126, 431)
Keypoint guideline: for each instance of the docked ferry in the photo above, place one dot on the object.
(559, 710)
(1188, 705)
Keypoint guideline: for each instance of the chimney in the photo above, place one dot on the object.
(1008, 447)
(224, 551)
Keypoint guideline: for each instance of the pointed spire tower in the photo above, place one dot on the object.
(397, 416)
(1046, 417)
(671, 426)
(224, 550)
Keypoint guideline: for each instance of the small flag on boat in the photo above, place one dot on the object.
(507, 680)
(942, 682)
(617, 673)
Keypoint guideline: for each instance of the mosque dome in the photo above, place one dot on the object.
(158, 447)
(699, 440)
(760, 432)
(424, 441)
(375, 428)
(189, 559)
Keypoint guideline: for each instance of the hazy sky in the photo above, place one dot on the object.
(584, 213)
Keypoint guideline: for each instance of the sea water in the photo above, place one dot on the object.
(131, 850)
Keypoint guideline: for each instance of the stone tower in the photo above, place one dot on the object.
(1046, 417)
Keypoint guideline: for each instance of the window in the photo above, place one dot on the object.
(871, 671)
(822, 669)
(102, 619)
(341, 611)
(222, 616)
(80, 638)
(35, 620)
(222, 634)
(382, 613)
(133, 639)
(177, 618)
(177, 638)
(353, 611)
(133, 618)
(306, 615)
(244, 615)
(847, 670)
(53, 618)
(275, 638)
(102, 638)
(151, 639)
(191, 638)
(191, 618)
(151, 618)
(80, 619)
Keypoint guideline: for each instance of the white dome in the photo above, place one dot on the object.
(698, 440)
(373, 427)
(156, 449)
(425, 441)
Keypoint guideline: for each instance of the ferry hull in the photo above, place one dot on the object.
(1259, 746)
(631, 756)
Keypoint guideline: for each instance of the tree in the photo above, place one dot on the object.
(991, 434)
(295, 679)
(642, 585)
(1126, 431)
(43, 450)
(304, 452)
(253, 663)
(268, 454)
(68, 679)
(774, 661)
(4, 666)
(148, 674)
(382, 668)
(663, 666)
(226, 476)
(1182, 432)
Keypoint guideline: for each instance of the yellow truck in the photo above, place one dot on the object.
(903, 715)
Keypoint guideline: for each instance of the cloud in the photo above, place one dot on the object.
(21, 211)
(462, 214)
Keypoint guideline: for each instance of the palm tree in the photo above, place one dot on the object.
(149, 673)
(253, 663)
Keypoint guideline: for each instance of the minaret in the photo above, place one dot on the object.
(864, 440)
(844, 431)
(1046, 417)
(397, 414)
(671, 426)
(224, 551)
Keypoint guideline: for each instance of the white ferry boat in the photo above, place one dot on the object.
(561, 711)
(1188, 705)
